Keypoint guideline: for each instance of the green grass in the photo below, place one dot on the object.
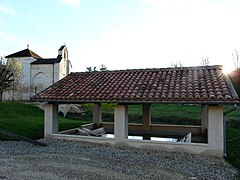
(28, 120)
(168, 114)
(233, 119)
(160, 114)
(233, 146)
(163, 114)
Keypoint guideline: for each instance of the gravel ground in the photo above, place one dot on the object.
(78, 160)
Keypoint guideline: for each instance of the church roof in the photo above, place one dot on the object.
(48, 60)
(24, 53)
(61, 48)
(186, 85)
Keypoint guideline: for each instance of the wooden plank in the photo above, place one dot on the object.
(21, 138)
(88, 132)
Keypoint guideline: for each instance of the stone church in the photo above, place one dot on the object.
(37, 73)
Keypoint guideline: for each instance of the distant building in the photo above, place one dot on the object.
(37, 73)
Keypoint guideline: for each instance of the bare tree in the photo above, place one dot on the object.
(205, 61)
(235, 56)
(10, 72)
(89, 69)
(3, 61)
(177, 64)
(103, 68)
(6, 79)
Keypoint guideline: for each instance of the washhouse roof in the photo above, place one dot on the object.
(187, 85)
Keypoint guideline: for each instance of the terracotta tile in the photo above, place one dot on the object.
(206, 84)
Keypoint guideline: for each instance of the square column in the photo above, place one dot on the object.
(146, 116)
(146, 120)
(121, 123)
(204, 119)
(50, 119)
(215, 129)
(97, 114)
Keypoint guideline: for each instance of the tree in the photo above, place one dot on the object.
(235, 75)
(177, 64)
(6, 78)
(89, 69)
(236, 59)
(205, 61)
(10, 72)
(102, 68)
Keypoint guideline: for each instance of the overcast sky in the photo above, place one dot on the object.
(123, 34)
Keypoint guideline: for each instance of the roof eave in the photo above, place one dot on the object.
(139, 102)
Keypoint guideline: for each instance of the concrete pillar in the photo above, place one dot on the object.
(204, 119)
(146, 120)
(50, 119)
(215, 130)
(121, 123)
(97, 114)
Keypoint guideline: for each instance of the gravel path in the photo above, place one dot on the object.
(78, 160)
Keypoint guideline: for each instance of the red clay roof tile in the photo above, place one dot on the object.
(205, 84)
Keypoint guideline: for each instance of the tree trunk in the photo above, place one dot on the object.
(1, 96)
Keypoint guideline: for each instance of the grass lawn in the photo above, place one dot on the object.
(233, 146)
(169, 114)
(28, 120)
(160, 113)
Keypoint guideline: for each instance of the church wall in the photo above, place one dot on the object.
(56, 72)
(41, 77)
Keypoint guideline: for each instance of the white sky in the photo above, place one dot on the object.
(123, 34)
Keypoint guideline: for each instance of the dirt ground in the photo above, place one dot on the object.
(77, 160)
(55, 166)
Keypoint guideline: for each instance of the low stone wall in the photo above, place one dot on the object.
(194, 148)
